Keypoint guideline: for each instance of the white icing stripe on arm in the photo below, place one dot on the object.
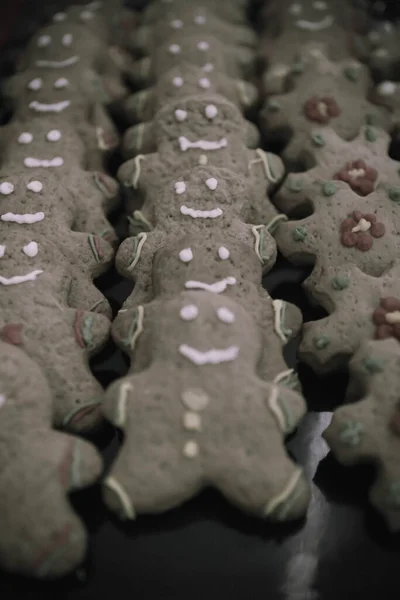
(57, 64)
(217, 288)
(201, 214)
(29, 161)
(210, 357)
(20, 278)
(185, 144)
(56, 107)
(26, 218)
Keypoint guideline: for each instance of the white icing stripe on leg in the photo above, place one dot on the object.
(116, 487)
(120, 418)
(275, 409)
(286, 492)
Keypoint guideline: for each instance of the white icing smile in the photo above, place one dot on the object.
(56, 107)
(58, 64)
(37, 162)
(210, 357)
(185, 144)
(315, 25)
(23, 219)
(20, 278)
(201, 214)
(217, 287)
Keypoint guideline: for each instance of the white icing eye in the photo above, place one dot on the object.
(35, 84)
(212, 183)
(177, 81)
(180, 115)
(180, 187)
(295, 9)
(189, 312)
(320, 5)
(67, 39)
(86, 15)
(31, 249)
(225, 315)
(177, 24)
(208, 68)
(43, 41)
(25, 138)
(6, 188)
(175, 49)
(53, 135)
(60, 16)
(200, 20)
(61, 83)
(204, 83)
(211, 111)
(35, 186)
(186, 255)
(223, 253)
(2, 250)
(203, 46)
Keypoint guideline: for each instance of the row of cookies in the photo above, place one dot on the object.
(54, 240)
(208, 398)
(346, 226)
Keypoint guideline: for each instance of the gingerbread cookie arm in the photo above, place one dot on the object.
(139, 107)
(368, 431)
(139, 139)
(266, 171)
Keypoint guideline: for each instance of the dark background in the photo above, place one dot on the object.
(207, 548)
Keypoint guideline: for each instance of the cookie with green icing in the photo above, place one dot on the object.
(344, 228)
(362, 163)
(187, 80)
(41, 535)
(199, 415)
(326, 94)
(367, 431)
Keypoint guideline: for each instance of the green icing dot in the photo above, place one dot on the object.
(329, 188)
(299, 234)
(373, 364)
(370, 134)
(351, 73)
(321, 342)
(273, 105)
(294, 185)
(318, 139)
(298, 67)
(340, 283)
(394, 194)
(351, 432)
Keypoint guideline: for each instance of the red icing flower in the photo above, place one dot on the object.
(359, 230)
(359, 176)
(321, 109)
(387, 319)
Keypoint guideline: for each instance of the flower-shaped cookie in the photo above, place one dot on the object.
(360, 177)
(359, 229)
(387, 319)
(321, 109)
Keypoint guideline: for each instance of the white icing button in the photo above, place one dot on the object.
(67, 39)
(2, 400)
(208, 67)
(212, 183)
(203, 160)
(192, 421)
(53, 135)
(211, 111)
(175, 49)
(387, 26)
(180, 115)
(177, 81)
(225, 315)
(186, 255)
(35, 186)
(223, 253)
(86, 15)
(2, 250)
(199, 20)
(177, 24)
(203, 46)
(191, 449)
(381, 52)
(6, 188)
(35, 84)
(31, 249)
(320, 5)
(189, 312)
(58, 17)
(180, 187)
(295, 9)
(195, 399)
(386, 88)
(204, 83)
(43, 41)
(25, 138)
(61, 83)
